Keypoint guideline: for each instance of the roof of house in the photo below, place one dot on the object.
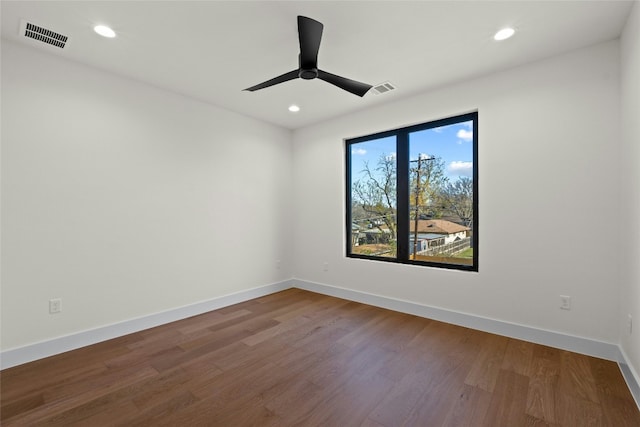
(438, 226)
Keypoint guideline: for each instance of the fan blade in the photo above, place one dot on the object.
(356, 88)
(280, 79)
(310, 35)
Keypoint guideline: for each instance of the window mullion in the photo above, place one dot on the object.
(402, 198)
(349, 226)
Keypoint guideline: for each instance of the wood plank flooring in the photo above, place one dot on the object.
(297, 358)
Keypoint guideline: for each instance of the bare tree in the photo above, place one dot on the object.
(457, 197)
(376, 193)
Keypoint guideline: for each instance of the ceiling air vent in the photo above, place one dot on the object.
(382, 88)
(36, 32)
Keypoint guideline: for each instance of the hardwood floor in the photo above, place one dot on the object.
(296, 358)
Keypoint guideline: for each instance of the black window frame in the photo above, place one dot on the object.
(403, 192)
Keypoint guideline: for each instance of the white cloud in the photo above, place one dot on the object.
(359, 151)
(391, 156)
(465, 135)
(438, 130)
(461, 168)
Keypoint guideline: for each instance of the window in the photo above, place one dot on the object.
(412, 194)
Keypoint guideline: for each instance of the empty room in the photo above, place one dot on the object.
(320, 213)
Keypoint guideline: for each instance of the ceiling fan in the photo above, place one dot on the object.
(310, 35)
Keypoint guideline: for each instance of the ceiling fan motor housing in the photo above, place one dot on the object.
(308, 74)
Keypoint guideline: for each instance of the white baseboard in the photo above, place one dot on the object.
(40, 350)
(576, 344)
(608, 351)
(630, 376)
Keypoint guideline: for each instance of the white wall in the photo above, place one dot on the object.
(125, 200)
(630, 186)
(548, 174)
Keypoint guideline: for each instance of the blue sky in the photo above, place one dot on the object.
(453, 143)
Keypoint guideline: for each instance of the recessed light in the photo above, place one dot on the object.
(294, 108)
(504, 34)
(104, 31)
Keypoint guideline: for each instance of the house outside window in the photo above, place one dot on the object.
(412, 194)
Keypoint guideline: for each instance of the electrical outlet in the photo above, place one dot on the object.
(278, 264)
(630, 323)
(565, 302)
(325, 266)
(55, 305)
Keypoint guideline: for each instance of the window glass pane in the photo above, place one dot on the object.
(431, 170)
(373, 197)
(441, 194)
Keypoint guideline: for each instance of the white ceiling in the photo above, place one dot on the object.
(211, 50)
